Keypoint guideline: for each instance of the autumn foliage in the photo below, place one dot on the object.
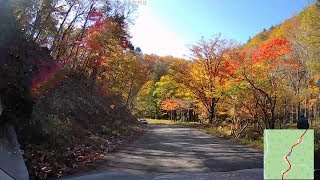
(169, 105)
(270, 51)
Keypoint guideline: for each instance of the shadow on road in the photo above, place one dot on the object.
(177, 149)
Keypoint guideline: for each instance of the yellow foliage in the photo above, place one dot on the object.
(277, 32)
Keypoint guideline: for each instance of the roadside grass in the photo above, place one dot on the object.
(160, 121)
(225, 132)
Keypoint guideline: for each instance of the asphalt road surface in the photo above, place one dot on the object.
(177, 149)
(177, 152)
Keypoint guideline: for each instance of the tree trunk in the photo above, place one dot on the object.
(38, 35)
(242, 129)
(57, 49)
(57, 35)
(260, 126)
(35, 24)
(212, 111)
(292, 112)
(272, 119)
(84, 27)
(315, 114)
(297, 111)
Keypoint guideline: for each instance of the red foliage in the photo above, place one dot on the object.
(98, 24)
(224, 70)
(271, 50)
(229, 68)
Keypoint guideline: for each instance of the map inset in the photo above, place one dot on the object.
(289, 154)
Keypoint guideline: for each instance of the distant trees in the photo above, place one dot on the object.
(166, 87)
(161, 86)
(265, 83)
(169, 105)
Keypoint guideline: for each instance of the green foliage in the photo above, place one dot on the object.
(146, 104)
(165, 88)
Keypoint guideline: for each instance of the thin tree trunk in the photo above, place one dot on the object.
(297, 111)
(38, 35)
(57, 35)
(291, 112)
(315, 112)
(306, 107)
(36, 24)
(83, 28)
(242, 129)
(64, 34)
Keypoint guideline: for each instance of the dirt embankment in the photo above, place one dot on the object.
(75, 126)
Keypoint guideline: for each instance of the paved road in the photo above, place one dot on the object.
(176, 149)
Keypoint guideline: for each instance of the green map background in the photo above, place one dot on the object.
(279, 144)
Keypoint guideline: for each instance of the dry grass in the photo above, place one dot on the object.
(225, 133)
(160, 121)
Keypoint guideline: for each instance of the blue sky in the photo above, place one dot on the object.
(169, 27)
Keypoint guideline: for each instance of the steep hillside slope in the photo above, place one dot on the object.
(75, 126)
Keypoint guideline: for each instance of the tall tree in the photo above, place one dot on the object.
(206, 76)
(264, 74)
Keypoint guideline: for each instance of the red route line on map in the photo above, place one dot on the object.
(299, 142)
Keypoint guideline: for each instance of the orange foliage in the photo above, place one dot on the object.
(169, 105)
